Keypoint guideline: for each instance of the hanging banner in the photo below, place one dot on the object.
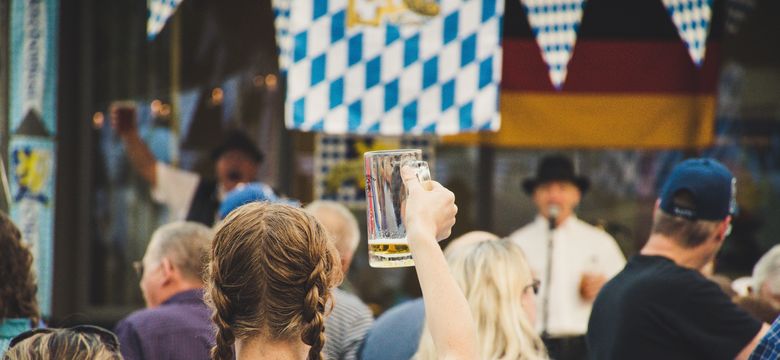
(555, 24)
(159, 13)
(339, 173)
(33, 65)
(33, 124)
(32, 208)
(692, 19)
(392, 67)
(630, 84)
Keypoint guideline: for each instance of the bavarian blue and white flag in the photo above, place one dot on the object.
(555, 24)
(391, 67)
(692, 19)
(159, 13)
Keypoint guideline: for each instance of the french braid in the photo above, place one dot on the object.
(270, 274)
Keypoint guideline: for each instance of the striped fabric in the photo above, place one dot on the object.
(692, 19)
(346, 327)
(769, 347)
(555, 24)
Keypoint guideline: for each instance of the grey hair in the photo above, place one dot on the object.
(185, 244)
(767, 271)
(344, 232)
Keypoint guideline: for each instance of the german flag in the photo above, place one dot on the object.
(630, 83)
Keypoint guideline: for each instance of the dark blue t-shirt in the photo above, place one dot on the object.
(655, 309)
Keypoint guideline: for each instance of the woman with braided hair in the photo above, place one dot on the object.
(272, 268)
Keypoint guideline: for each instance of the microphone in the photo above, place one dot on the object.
(553, 211)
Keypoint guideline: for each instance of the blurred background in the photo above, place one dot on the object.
(214, 66)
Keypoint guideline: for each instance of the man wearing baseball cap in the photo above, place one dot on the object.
(660, 306)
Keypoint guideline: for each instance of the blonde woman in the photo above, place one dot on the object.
(272, 269)
(83, 342)
(500, 289)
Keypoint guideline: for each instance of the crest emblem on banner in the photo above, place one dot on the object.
(390, 67)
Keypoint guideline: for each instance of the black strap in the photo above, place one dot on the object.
(204, 204)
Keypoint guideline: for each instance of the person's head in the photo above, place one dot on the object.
(556, 185)
(175, 261)
(84, 342)
(17, 282)
(342, 226)
(270, 273)
(469, 238)
(695, 206)
(237, 160)
(498, 284)
(766, 275)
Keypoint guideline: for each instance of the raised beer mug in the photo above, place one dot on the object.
(385, 196)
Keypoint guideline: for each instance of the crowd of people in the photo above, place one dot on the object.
(264, 281)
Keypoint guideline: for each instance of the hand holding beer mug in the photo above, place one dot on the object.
(123, 115)
(386, 195)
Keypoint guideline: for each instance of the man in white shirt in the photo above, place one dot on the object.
(583, 257)
(186, 194)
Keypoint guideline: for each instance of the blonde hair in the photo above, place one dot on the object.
(64, 344)
(270, 273)
(493, 276)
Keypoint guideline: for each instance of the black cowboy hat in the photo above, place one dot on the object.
(555, 168)
(237, 140)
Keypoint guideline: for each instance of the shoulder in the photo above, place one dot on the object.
(594, 233)
(349, 305)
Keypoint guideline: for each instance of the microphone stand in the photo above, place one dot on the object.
(548, 276)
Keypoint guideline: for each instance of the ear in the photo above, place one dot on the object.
(724, 228)
(168, 271)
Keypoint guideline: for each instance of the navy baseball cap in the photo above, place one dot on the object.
(712, 186)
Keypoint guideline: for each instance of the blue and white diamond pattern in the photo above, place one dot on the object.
(555, 24)
(692, 19)
(159, 12)
(439, 77)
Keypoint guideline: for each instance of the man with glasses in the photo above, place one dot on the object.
(176, 323)
(661, 306)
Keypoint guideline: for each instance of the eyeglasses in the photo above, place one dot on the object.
(534, 286)
(106, 337)
(139, 268)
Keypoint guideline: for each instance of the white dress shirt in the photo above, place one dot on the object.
(578, 248)
(176, 189)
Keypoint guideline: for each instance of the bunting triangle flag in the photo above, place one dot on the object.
(159, 13)
(555, 24)
(692, 19)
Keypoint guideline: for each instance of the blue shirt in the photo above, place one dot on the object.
(769, 347)
(396, 334)
(9, 328)
(180, 328)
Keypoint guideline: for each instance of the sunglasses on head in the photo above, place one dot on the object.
(106, 337)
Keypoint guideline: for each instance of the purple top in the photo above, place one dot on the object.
(180, 328)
